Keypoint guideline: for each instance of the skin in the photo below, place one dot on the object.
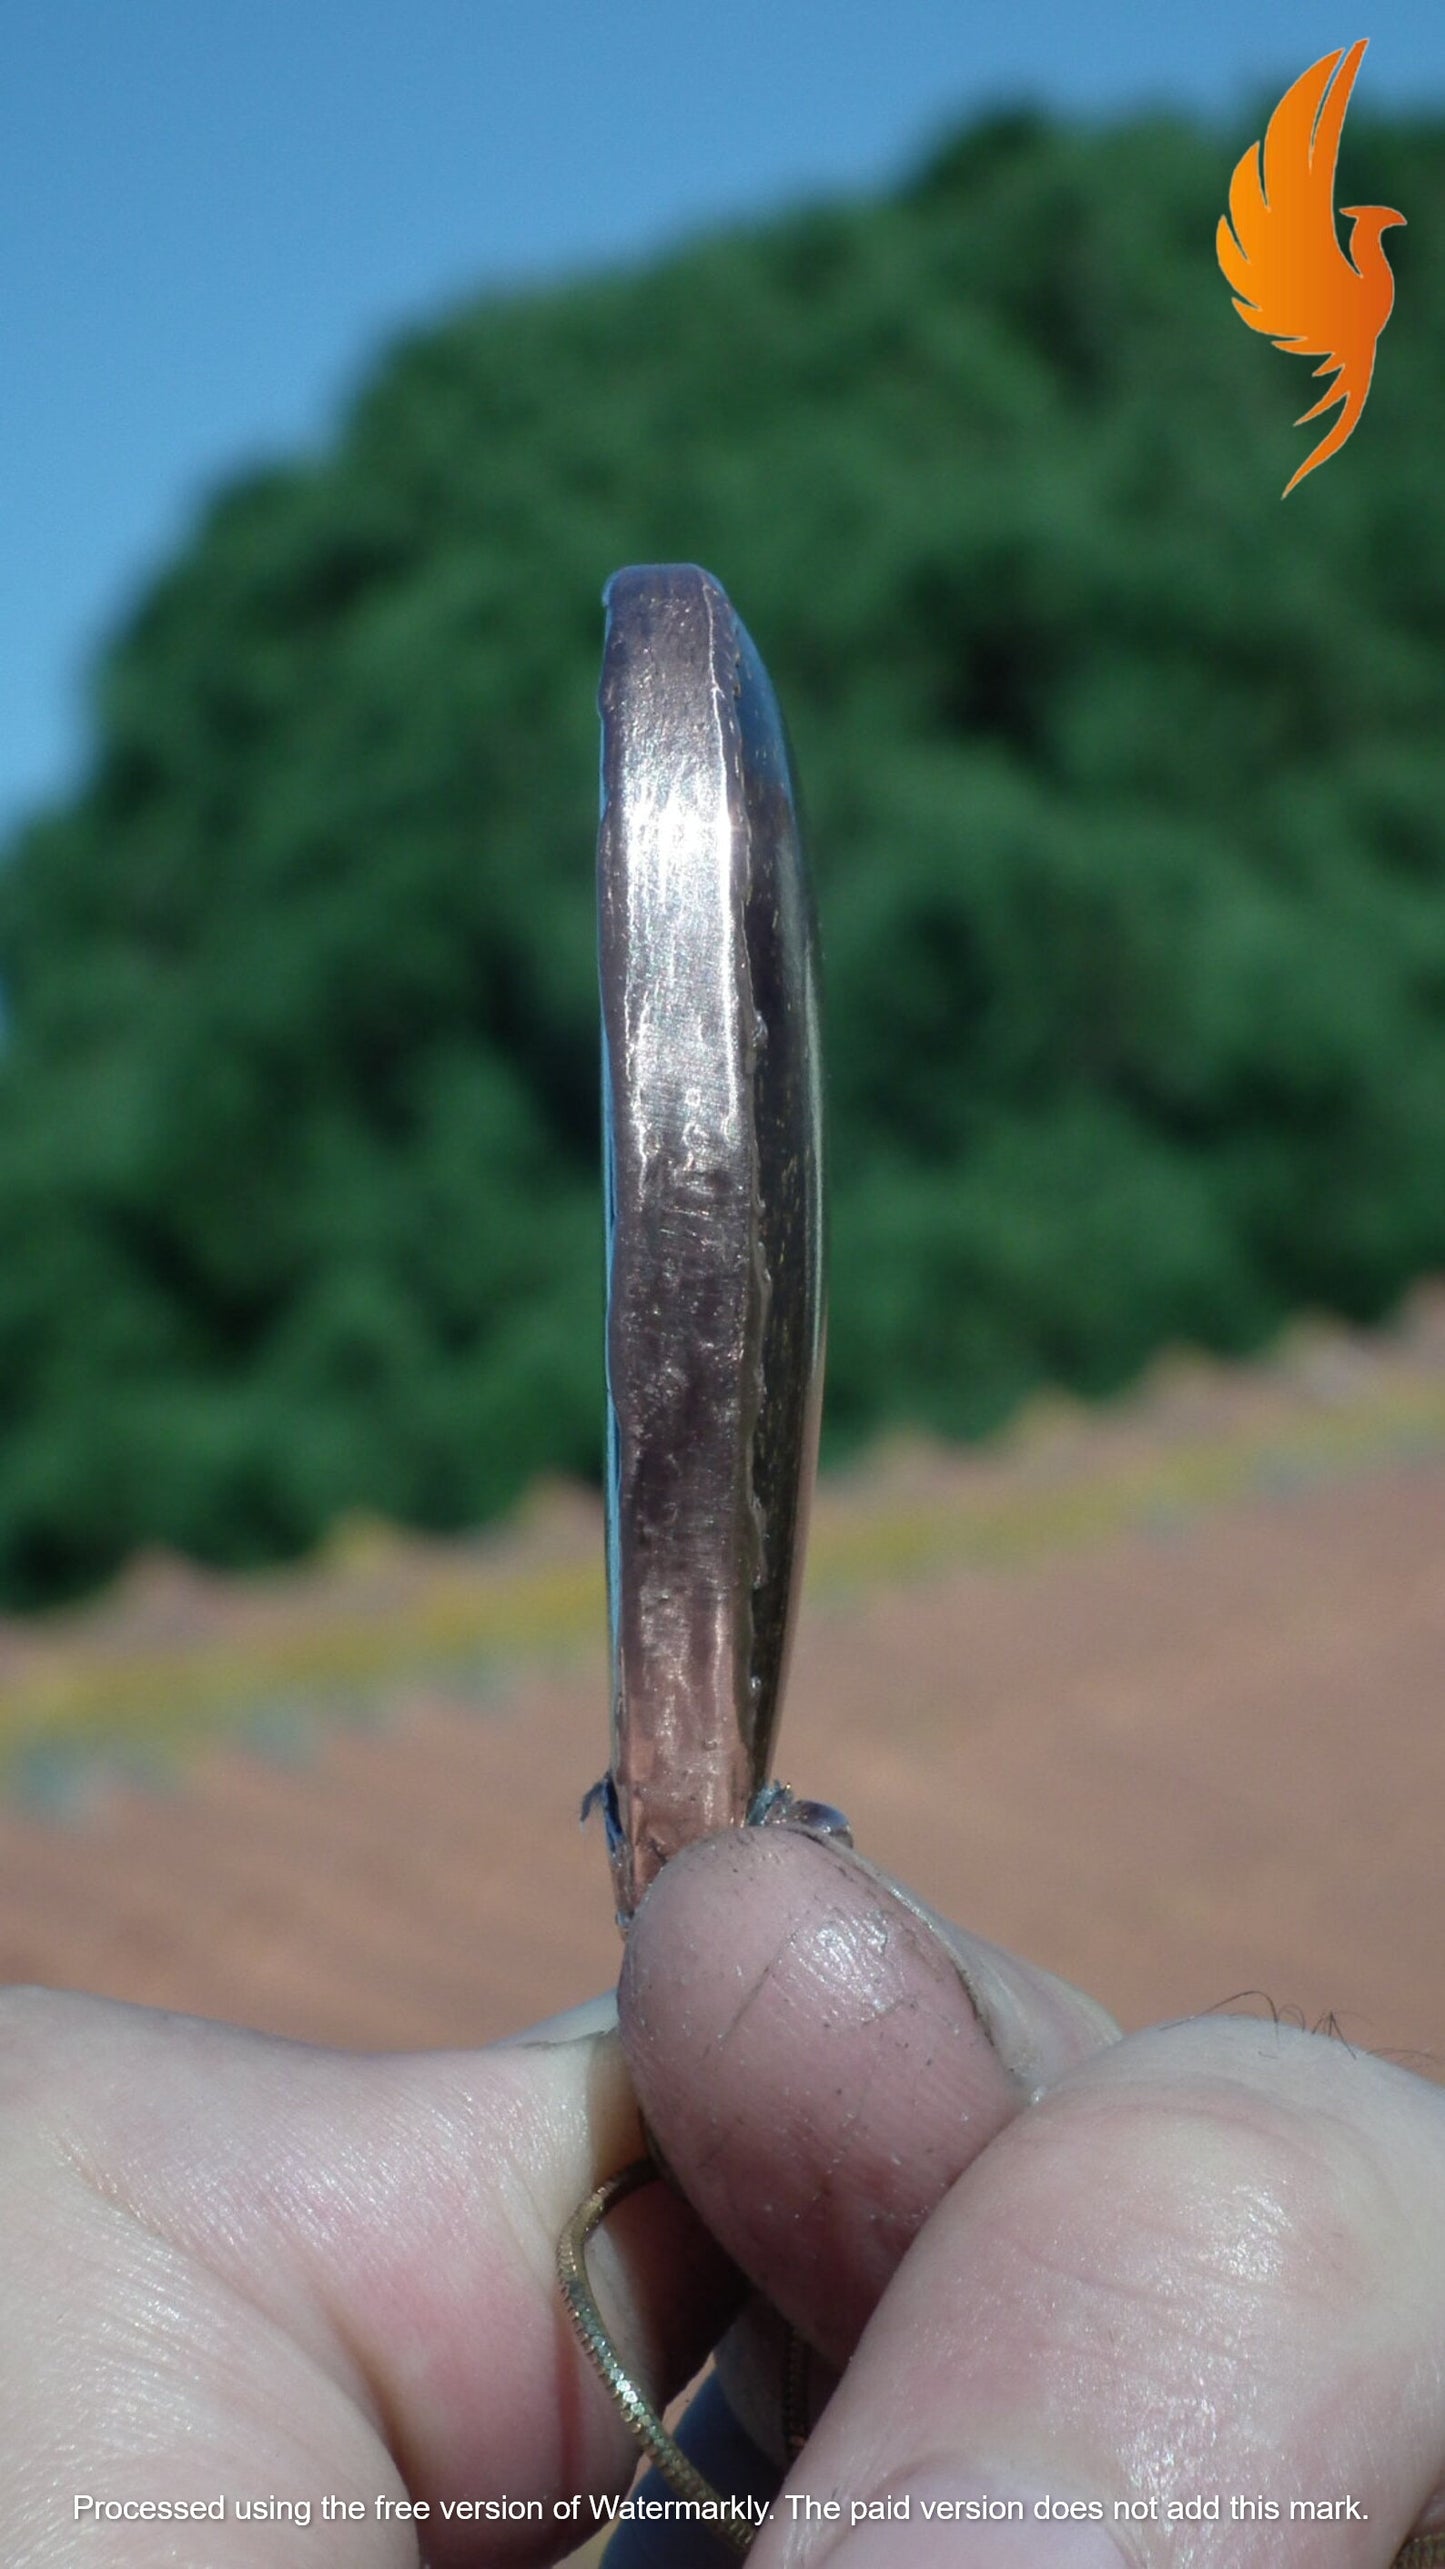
(1045, 2261)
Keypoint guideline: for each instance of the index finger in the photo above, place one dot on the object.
(237, 2263)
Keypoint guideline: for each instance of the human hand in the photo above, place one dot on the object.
(244, 2268)
(1207, 2261)
(1204, 2263)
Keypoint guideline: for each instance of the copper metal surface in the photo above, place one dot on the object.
(714, 1210)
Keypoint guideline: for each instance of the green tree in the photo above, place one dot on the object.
(1125, 783)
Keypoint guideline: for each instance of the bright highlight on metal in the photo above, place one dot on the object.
(714, 1211)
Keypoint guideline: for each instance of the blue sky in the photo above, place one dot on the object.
(213, 212)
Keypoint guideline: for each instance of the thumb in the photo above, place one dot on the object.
(819, 2059)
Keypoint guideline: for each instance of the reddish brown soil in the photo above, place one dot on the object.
(1177, 1761)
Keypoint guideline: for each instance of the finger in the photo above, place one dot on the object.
(1182, 2305)
(818, 2065)
(246, 2264)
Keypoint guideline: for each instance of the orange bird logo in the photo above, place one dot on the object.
(1280, 251)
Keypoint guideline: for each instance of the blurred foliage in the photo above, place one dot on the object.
(1125, 784)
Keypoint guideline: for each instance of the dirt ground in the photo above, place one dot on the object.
(1155, 1694)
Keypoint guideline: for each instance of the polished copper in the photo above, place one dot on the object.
(712, 1096)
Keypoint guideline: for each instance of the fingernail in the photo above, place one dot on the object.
(942, 2519)
(574, 2025)
(1038, 2025)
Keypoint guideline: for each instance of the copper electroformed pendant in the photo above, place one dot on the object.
(714, 1183)
(712, 1098)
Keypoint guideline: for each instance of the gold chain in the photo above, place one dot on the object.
(680, 2474)
(1423, 2551)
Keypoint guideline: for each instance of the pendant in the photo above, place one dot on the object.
(712, 1095)
(713, 1148)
